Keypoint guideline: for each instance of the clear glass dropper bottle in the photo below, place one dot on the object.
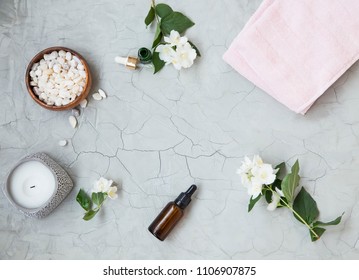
(171, 214)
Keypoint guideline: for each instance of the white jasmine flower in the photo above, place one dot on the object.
(112, 192)
(176, 61)
(175, 39)
(275, 199)
(255, 174)
(102, 185)
(186, 55)
(264, 173)
(166, 53)
(257, 160)
(255, 188)
(246, 166)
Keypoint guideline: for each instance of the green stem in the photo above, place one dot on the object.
(295, 213)
(154, 7)
(99, 206)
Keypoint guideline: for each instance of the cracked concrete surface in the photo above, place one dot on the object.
(156, 135)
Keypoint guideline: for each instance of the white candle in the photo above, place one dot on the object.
(31, 184)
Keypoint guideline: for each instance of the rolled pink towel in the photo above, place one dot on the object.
(296, 49)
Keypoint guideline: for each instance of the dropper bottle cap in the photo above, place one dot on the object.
(184, 198)
(130, 62)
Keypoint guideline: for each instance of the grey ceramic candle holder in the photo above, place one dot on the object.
(63, 187)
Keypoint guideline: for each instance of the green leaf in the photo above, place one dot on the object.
(306, 207)
(195, 48)
(277, 184)
(282, 203)
(150, 16)
(98, 198)
(163, 10)
(175, 21)
(158, 37)
(331, 223)
(84, 200)
(157, 62)
(281, 169)
(252, 202)
(268, 196)
(319, 231)
(290, 182)
(90, 214)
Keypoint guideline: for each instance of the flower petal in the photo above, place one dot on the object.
(274, 204)
(112, 193)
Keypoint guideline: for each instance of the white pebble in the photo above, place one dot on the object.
(43, 67)
(36, 89)
(38, 72)
(65, 101)
(62, 143)
(60, 60)
(57, 68)
(97, 96)
(82, 73)
(83, 103)
(80, 67)
(73, 121)
(76, 59)
(51, 64)
(54, 54)
(68, 56)
(33, 68)
(73, 63)
(62, 53)
(102, 93)
(77, 80)
(43, 96)
(76, 112)
(58, 101)
(47, 57)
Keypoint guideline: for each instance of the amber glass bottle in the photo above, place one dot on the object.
(171, 214)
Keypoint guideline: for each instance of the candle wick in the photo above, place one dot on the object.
(32, 187)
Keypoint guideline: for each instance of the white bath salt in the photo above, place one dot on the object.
(68, 56)
(102, 93)
(58, 78)
(36, 90)
(83, 103)
(76, 112)
(82, 73)
(54, 54)
(73, 121)
(62, 143)
(97, 96)
(33, 68)
(47, 57)
(80, 67)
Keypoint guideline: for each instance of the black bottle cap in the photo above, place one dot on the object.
(184, 198)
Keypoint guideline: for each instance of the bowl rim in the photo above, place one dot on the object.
(77, 100)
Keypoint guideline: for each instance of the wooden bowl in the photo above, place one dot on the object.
(77, 100)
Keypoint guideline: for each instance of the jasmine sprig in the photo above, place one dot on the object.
(102, 190)
(262, 180)
(87, 203)
(167, 20)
